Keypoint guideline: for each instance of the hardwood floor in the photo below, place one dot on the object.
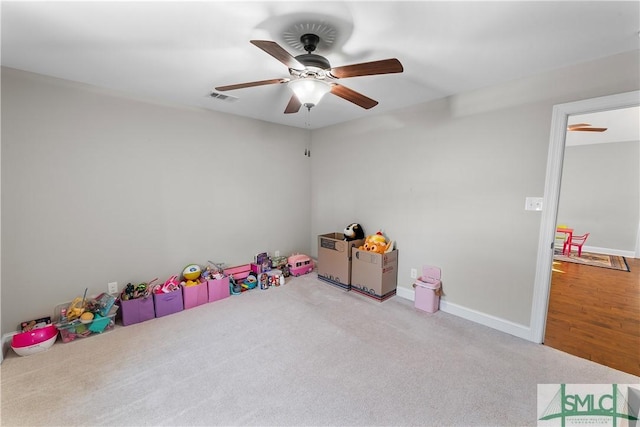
(594, 313)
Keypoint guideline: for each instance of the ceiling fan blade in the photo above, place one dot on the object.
(293, 106)
(588, 129)
(578, 125)
(251, 84)
(385, 66)
(275, 50)
(353, 96)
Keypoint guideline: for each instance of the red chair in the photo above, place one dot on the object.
(578, 241)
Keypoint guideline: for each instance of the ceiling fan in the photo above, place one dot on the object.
(584, 127)
(312, 75)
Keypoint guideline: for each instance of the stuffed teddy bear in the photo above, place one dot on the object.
(353, 231)
(376, 243)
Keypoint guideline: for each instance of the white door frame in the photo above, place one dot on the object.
(555, 158)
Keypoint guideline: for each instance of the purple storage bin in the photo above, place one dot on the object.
(168, 303)
(194, 296)
(137, 310)
(218, 288)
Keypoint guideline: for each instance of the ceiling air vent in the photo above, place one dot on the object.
(223, 97)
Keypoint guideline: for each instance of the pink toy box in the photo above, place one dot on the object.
(218, 288)
(239, 273)
(194, 296)
(427, 296)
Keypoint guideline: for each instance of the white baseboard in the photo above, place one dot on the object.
(608, 251)
(4, 344)
(406, 293)
(502, 325)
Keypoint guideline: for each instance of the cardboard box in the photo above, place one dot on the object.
(137, 310)
(168, 303)
(218, 288)
(334, 259)
(193, 296)
(374, 275)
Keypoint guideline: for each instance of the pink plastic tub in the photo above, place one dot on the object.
(34, 341)
(427, 296)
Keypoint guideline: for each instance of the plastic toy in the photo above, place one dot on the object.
(264, 281)
(35, 324)
(170, 285)
(300, 264)
(353, 231)
(234, 287)
(277, 262)
(35, 340)
(192, 272)
(286, 272)
(75, 309)
(141, 290)
(213, 271)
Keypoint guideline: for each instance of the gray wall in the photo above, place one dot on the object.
(448, 180)
(600, 193)
(97, 187)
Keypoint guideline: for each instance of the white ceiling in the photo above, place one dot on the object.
(177, 52)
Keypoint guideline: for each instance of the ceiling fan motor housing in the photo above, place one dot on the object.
(310, 41)
(313, 60)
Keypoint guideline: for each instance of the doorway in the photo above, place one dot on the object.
(555, 158)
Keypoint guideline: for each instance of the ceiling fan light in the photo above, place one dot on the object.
(309, 91)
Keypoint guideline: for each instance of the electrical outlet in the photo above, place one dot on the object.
(533, 203)
(113, 287)
(414, 273)
(276, 253)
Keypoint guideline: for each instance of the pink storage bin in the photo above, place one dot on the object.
(218, 288)
(193, 296)
(137, 310)
(427, 295)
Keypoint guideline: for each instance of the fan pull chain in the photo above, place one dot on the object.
(307, 123)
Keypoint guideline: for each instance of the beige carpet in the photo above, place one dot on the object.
(305, 353)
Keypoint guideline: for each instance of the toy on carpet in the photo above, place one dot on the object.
(300, 264)
(250, 282)
(377, 243)
(35, 340)
(353, 231)
(234, 287)
(264, 281)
